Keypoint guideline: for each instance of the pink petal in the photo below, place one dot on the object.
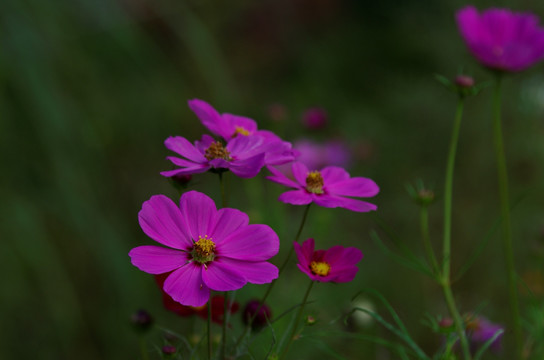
(357, 205)
(333, 174)
(254, 272)
(300, 172)
(254, 242)
(157, 260)
(243, 147)
(280, 178)
(185, 286)
(247, 168)
(342, 275)
(328, 201)
(357, 186)
(209, 117)
(305, 252)
(199, 211)
(162, 221)
(240, 121)
(221, 276)
(204, 143)
(186, 171)
(226, 222)
(296, 197)
(183, 147)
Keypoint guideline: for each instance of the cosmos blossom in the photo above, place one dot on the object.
(328, 187)
(480, 330)
(244, 156)
(230, 126)
(217, 303)
(501, 39)
(337, 264)
(204, 248)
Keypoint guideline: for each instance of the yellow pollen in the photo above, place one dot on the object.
(320, 268)
(203, 250)
(314, 182)
(217, 151)
(240, 130)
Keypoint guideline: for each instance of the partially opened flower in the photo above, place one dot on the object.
(501, 39)
(217, 303)
(244, 156)
(480, 330)
(328, 187)
(206, 249)
(334, 265)
(230, 126)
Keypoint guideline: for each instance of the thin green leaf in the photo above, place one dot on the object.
(487, 344)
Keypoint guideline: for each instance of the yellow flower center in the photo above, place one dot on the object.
(314, 182)
(203, 250)
(217, 151)
(320, 268)
(240, 130)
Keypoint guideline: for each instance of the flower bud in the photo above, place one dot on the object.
(260, 319)
(310, 320)
(314, 118)
(169, 350)
(464, 81)
(141, 320)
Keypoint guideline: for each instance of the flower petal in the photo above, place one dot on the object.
(254, 242)
(247, 168)
(186, 171)
(296, 197)
(280, 178)
(226, 221)
(305, 252)
(162, 221)
(240, 121)
(243, 147)
(254, 272)
(185, 286)
(221, 276)
(209, 117)
(356, 205)
(300, 172)
(357, 186)
(183, 147)
(157, 260)
(333, 174)
(199, 212)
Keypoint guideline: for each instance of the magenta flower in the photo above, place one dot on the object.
(480, 330)
(334, 265)
(314, 118)
(244, 156)
(318, 155)
(501, 39)
(230, 126)
(328, 187)
(207, 249)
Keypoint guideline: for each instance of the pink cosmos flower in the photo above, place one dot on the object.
(230, 126)
(334, 265)
(328, 187)
(501, 39)
(206, 249)
(244, 156)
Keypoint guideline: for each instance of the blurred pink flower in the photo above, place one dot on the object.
(501, 39)
(316, 156)
(314, 118)
(480, 330)
(207, 249)
(334, 265)
(328, 188)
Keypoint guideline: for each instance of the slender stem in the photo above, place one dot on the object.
(271, 285)
(297, 321)
(505, 215)
(448, 190)
(143, 348)
(223, 192)
(224, 326)
(446, 247)
(424, 222)
(209, 330)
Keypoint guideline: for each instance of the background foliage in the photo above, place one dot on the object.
(89, 90)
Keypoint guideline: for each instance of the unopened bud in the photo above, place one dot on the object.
(464, 81)
(141, 320)
(310, 320)
(260, 318)
(169, 350)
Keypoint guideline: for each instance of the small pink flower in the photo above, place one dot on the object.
(501, 39)
(230, 126)
(243, 156)
(318, 155)
(314, 118)
(328, 188)
(334, 265)
(206, 249)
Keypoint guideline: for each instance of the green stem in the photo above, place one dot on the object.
(424, 222)
(446, 248)
(209, 330)
(297, 321)
(224, 326)
(505, 215)
(143, 348)
(271, 285)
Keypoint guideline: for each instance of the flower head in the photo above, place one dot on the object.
(328, 187)
(480, 330)
(244, 156)
(230, 126)
(501, 39)
(217, 303)
(334, 265)
(206, 249)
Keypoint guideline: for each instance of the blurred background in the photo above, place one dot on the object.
(89, 90)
